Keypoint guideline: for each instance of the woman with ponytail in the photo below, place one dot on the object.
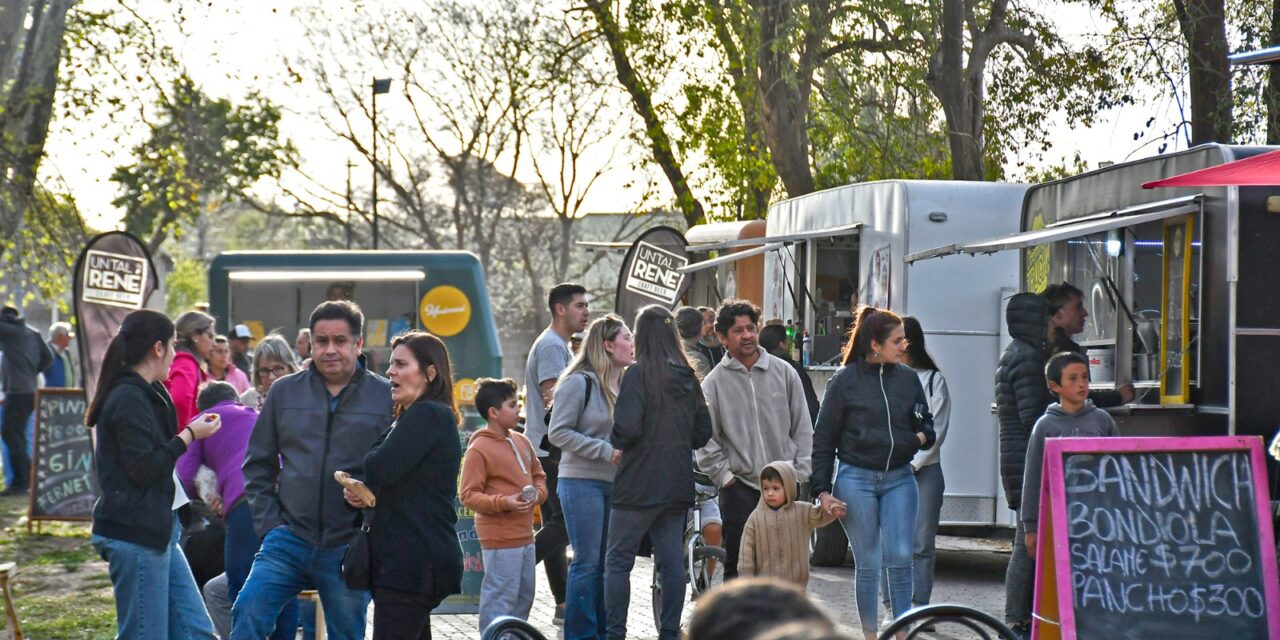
(190, 368)
(874, 418)
(135, 525)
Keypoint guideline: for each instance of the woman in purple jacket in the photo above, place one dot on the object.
(224, 453)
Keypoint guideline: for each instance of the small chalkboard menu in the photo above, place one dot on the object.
(63, 486)
(1175, 325)
(1155, 538)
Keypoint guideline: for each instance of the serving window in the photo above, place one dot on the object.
(1141, 287)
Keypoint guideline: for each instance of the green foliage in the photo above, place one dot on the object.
(186, 285)
(203, 152)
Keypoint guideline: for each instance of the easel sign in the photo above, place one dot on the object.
(63, 484)
(1155, 538)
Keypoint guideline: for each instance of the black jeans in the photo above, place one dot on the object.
(553, 538)
(737, 501)
(17, 410)
(401, 615)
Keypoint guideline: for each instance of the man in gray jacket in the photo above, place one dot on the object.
(25, 356)
(758, 415)
(317, 421)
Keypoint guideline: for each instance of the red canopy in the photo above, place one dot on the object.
(1262, 170)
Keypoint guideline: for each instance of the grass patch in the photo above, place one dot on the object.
(76, 614)
(60, 589)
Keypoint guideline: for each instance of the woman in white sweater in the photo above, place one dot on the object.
(927, 464)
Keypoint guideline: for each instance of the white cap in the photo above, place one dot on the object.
(241, 331)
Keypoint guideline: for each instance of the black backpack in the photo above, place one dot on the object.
(553, 451)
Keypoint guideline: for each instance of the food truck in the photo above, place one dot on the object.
(1179, 284)
(823, 250)
(443, 292)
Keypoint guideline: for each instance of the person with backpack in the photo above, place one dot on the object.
(548, 358)
(581, 421)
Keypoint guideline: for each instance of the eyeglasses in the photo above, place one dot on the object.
(275, 372)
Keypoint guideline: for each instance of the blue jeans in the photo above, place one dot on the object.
(238, 550)
(286, 565)
(586, 514)
(156, 595)
(931, 486)
(879, 524)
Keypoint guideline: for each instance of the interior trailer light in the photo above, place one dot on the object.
(305, 275)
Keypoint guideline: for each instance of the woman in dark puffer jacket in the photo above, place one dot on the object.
(1022, 395)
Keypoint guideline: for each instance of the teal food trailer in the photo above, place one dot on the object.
(442, 292)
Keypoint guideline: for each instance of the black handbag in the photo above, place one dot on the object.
(356, 572)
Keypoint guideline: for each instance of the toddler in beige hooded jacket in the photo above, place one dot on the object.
(775, 542)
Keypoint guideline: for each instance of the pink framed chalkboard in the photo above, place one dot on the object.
(1155, 538)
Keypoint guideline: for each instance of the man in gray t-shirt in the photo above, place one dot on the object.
(548, 358)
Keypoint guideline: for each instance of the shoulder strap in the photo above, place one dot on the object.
(932, 374)
(586, 397)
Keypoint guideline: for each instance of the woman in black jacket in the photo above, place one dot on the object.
(659, 419)
(874, 417)
(413, 472)
(135, 524)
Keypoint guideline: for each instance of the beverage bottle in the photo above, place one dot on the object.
(791, 336)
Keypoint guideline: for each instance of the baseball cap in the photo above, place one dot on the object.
(241, 331)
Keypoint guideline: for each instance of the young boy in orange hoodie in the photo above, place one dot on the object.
(502, 482)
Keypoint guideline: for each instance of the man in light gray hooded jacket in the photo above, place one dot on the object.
(758, 415)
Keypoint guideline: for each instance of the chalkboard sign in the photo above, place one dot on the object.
(1175, 325)
(1155, 538)
(63, 485)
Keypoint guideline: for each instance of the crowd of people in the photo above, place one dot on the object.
(613, 435)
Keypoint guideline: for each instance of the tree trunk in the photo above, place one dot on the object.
(1271, 94)
(642, 100)
(28, 105)
(947, 71)
(13, 17)
(1204, 28)
(784, 98)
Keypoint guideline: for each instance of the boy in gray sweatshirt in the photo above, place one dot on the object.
(1072, 416)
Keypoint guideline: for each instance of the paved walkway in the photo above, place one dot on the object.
(969, 572)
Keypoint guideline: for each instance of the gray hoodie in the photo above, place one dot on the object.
(1089, 422)
(582, 432)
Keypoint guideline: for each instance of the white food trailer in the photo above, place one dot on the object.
(826, 249)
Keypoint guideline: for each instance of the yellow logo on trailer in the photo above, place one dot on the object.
(464, 392)
(445, 311)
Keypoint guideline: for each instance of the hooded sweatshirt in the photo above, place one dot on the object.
(1089, 422)
(758, 415)
(775, 542)
(493, 468)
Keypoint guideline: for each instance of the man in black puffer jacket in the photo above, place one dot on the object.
(1022, 395)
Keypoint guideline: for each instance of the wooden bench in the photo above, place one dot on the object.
(10, 615)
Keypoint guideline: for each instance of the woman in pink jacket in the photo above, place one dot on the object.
(190, 363)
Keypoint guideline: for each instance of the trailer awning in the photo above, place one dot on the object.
(1262, 170)
(1069, 229)
(733, 257)
(763, 245)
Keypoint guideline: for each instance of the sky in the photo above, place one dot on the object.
(231, 52)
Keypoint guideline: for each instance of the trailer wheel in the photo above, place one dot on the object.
(828, 546)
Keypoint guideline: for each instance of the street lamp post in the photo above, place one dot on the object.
(380, 85)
